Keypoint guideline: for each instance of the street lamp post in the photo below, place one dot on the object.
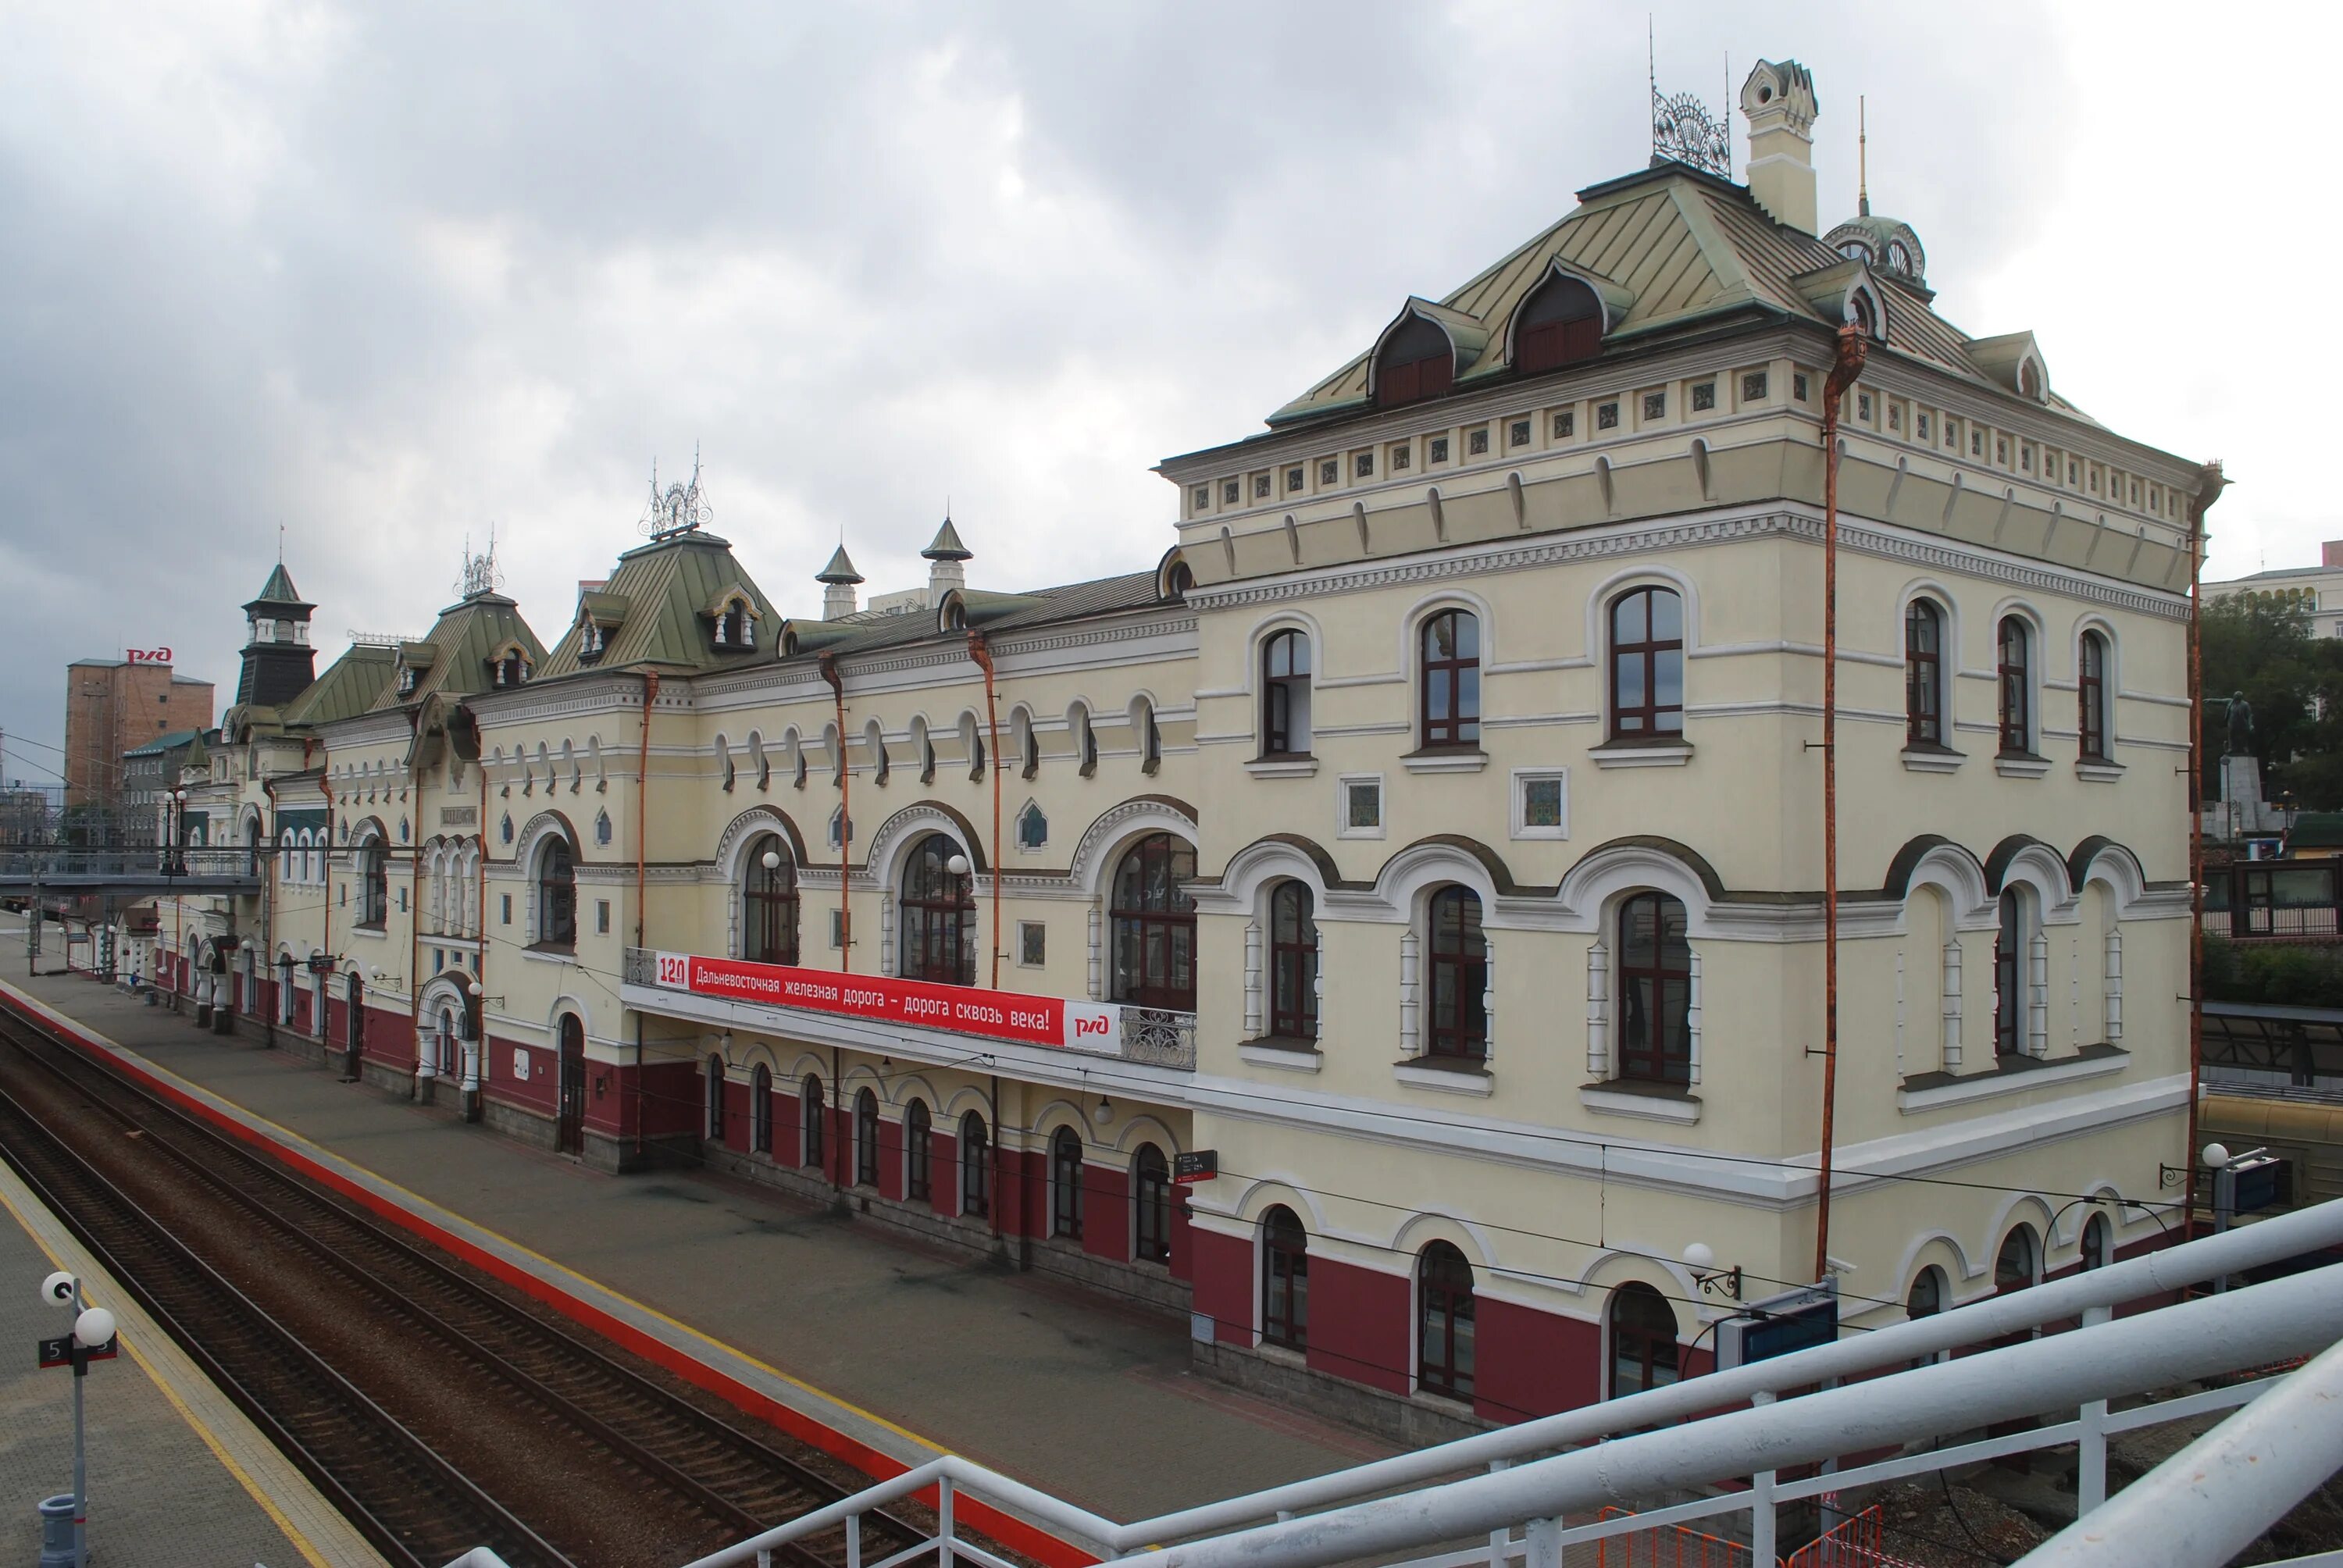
(92, 1339)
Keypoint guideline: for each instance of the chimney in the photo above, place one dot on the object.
(838, 581)
(2330, 554)
(944, 557)
(1779, 101)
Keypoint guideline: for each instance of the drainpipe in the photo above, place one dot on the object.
(1845, 367)
(982, 651)
(642, 833)
(837, 1112)
(268, 913)
(325, 859)
(2213, 484)
(830, 673)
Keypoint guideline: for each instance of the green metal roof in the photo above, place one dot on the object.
(161, 744)
(454, 659)
(667, 587)
(279, 591)
(348, 687)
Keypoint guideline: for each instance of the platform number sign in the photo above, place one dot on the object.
(61, 1351)
(674, 970)
(1196, 1165)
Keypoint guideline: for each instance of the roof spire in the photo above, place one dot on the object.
(1862, 160)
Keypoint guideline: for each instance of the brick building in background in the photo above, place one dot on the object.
(113, 706)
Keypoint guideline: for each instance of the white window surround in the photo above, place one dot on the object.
(1282, 766)
(1642, 754)
(1293, 1058)
(1521, 779)
(1932, 760)
(1684, 1109)
(1989, 1085)
(1343, 787)
(1475, 1080)
(1472, 762)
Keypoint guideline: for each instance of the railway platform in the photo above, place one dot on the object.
(178, 1477)
(880, 1351)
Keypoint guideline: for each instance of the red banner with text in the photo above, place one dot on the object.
(1002, 1015)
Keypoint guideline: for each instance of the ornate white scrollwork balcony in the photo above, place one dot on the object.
(1158, 1037)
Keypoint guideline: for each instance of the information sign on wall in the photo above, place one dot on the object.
(1003, 1015)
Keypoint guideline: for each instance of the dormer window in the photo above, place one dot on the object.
(1417, 361)
(510, 667)
(1560, 324)
(407, 680)
(736, 627)
(591, 641)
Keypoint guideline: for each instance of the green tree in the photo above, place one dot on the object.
(2267, 652)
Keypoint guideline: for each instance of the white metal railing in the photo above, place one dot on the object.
(1532, 1483)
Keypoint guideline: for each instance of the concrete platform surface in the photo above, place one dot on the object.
(177, 1477)
(907, 1350)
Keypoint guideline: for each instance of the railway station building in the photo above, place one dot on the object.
(1389, 927)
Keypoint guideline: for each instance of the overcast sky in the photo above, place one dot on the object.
(388, 277)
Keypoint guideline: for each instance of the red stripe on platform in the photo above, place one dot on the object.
(1009, 1530)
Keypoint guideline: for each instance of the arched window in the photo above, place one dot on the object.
(284, 855)
(1460, 975)
(1924, 674)
(1155, 925)
(1451, 679)
(769, 904)
(443, 1044)
(813, 1115)
(512, 668)
(354, 1013)
(760, 1110)
(1292, 963)
(2015, 672)
(1066, 1183)
(2018, 1264)
(939, 915)
(2009, 960)
(1655, 991)
(866, 1139)
(918, 1181)
(1643, 1341)
(557, 895)
(1647, 664)
(1078, 718)
(2091, 687)
(975, 1166)
(285, 992)
(1417, 361)
(1560, 324)
(1928, 1296)
(1284, 1280)
(1443, 1321)
(1150, 1190)
(2099, 1242)
(736, 627)
(373, 882)
(1285, 695)
(714, 1087)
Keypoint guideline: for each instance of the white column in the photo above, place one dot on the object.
(1411, 1036)
(1598, 1013)
(427, 1045)
(1952, 1006)
(1899, 1013)
(2037, 1006)
(1692, 1018)
(886, 933)
(2114, 989)
(1096, 952)
(1252, 980)
(471, 1049)
(1488, 1000)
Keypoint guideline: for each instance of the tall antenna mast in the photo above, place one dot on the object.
(1862, 159)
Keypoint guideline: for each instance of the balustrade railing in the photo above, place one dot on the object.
(21, 865)
(1158, 1037)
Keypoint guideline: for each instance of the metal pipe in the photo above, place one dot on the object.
(2211, 1501)
(836, 680)
(642, 841)
(2212, 482)
(268, 912)
(1846, 365)
(982, 651)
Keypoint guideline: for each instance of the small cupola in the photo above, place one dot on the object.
(839, 580)
(945, 557)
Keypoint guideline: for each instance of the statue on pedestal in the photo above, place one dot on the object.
(2241, 725)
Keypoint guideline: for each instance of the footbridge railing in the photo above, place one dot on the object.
(1520, 1494)
(144, 868)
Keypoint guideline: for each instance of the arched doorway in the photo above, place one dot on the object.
(569, 1119)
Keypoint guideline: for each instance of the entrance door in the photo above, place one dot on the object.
(570, 1129)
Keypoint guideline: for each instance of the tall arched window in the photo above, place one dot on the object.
(1150, 1192)
(939, 915)
(2016, 646)
(813, 1116)
(760, 1110)
(769, 904)
(1451, 679)
(1284, 1280)
(1655, 991)
(2018, 1264)
(1928, 1296)
(1924, 674)
(448, 1049)
(975, 1166)
(1643, 1341)
(2091, 688)
(1417, 361)
(1443, 1321)
(2099, 1242)
(1155, 925)
(284, 992)
(918, 1181)
(557, 895)
(284, 865)
(373, 882)
(866, 1139)
(1066, 1183)
(1292, 963)
(1647, 664)
(2009, 958)
(715, 1088)
(1460, 975)
(1285, 695)
(1560, 324)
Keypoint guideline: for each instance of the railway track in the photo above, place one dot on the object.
(452, 1416)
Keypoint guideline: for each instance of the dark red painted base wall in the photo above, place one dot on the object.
(1359, 1326)
(1532, 1364)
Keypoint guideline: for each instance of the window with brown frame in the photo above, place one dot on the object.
(1150, 1192)
(938, 916)
(1647, 664)
(1418, 362)
(760, 1110)
(1924, 674)
(557, 896)
(1292, 963)
(1284, 1280)
(1443, 1321)
(813, 1115)
(1066, 1184)
(918, 1153)
(1460, 975)
(1643, 1353)
(2091, 690)
(1561, 324)
(769, 904)
(1154, 922)
(975, 1166)
(1655, 991)
(1450, 679)
(2016, 673)
(374, 883)
(715, 1085)
(866, 1139)
(1285, 695)
(2010, 976)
